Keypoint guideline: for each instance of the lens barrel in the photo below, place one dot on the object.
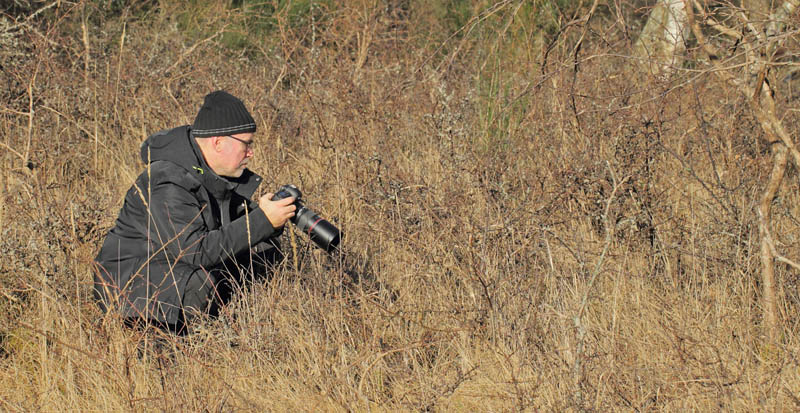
(322, 232)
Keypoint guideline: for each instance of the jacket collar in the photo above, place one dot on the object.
(178, 146)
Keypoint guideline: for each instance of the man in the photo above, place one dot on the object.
(188, 229)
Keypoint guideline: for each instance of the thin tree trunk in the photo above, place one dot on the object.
(663, 37)
(769, 298)
(762, 103)
(661, 45)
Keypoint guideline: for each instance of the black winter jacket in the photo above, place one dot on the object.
(179, 217)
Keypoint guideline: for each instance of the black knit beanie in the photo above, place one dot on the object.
(222, 114)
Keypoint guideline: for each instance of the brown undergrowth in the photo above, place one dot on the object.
(524, 230)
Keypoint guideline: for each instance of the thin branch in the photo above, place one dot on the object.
(698, 33)
(578, 319)
(191, 49)
(752, 28)
(768, 238)
(21, 156)
(30, 116)
(710, 22)
(9, 297)
(33, 15)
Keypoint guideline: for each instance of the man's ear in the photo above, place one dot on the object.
(216, 143)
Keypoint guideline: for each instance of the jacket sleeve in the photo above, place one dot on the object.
(178, 231)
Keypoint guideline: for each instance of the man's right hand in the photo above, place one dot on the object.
(277, 212)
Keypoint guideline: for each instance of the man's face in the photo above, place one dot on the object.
(235, 152)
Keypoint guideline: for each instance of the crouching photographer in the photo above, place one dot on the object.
(189, 228)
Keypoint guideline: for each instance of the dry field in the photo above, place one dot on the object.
(529, 225)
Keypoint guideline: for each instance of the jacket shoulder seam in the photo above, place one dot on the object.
(166, 171)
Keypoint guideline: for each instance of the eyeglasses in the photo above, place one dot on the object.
(248, 145)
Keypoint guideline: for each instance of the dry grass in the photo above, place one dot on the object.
(526, 237)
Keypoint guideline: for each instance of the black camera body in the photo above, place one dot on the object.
(322, 232)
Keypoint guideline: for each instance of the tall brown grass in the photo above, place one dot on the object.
(521, 233)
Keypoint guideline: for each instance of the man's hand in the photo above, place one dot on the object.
(278, 212)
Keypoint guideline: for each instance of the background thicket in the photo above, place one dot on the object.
(531, 221)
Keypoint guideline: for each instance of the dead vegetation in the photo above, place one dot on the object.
(529, 225)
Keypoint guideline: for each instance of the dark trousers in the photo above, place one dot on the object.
(206, 292)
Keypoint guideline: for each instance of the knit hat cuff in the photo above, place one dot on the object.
(230, 130)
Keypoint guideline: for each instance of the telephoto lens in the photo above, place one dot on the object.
(322, 232)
